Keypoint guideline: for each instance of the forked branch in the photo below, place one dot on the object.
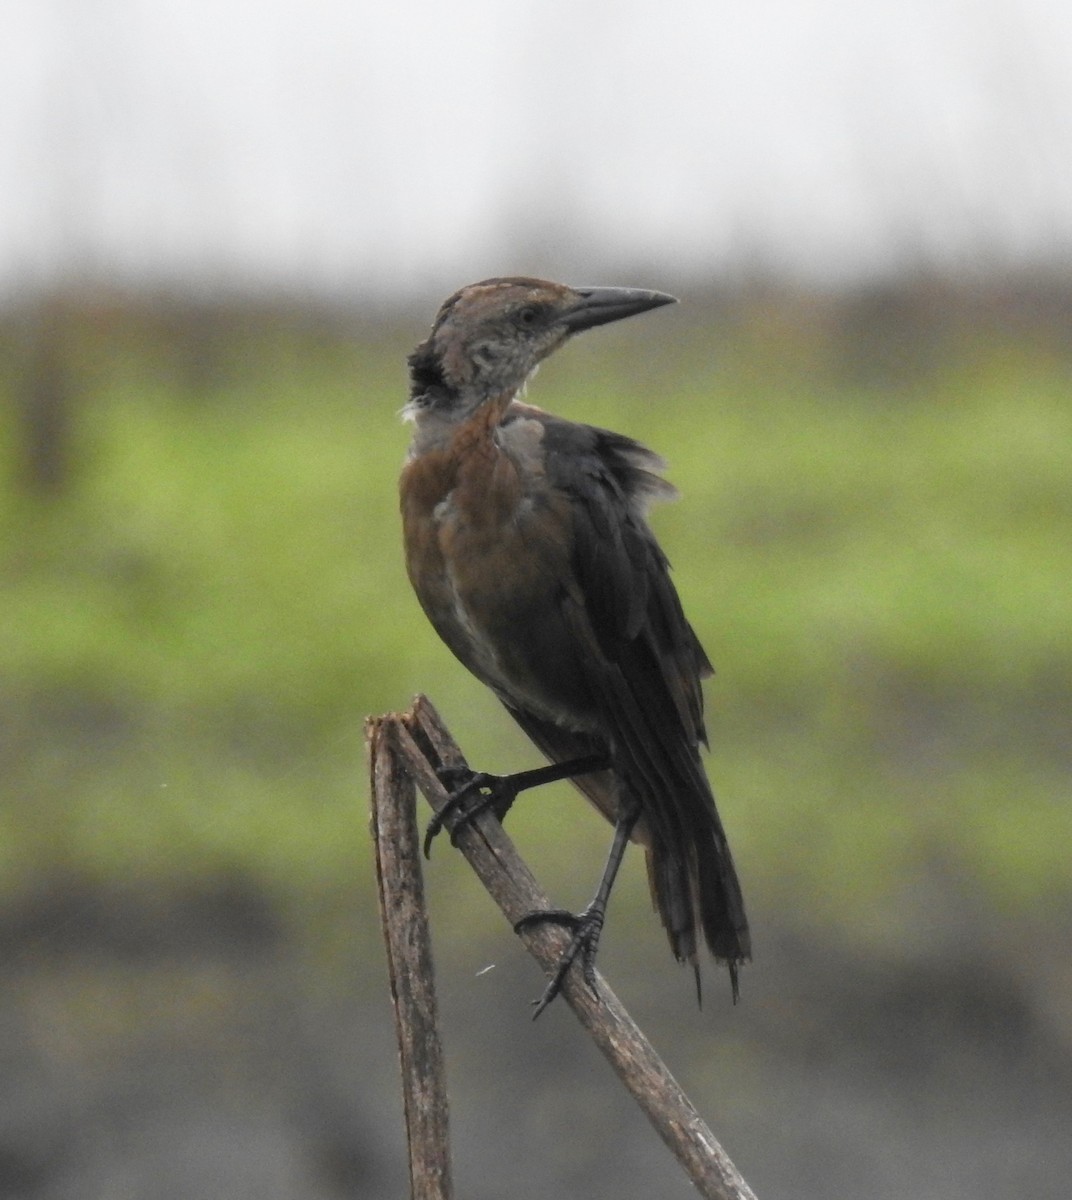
(416, 745)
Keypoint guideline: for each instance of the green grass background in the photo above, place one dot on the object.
(875, 547)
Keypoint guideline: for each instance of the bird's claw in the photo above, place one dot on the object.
(492, 792)
(586, 927)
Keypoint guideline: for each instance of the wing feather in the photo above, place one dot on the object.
(643, 666)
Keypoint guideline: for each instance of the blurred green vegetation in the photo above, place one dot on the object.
(874, 543)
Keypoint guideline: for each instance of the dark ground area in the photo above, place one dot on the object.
(183, 1047)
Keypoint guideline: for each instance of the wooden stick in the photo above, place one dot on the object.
(409, 964)
(424, 744)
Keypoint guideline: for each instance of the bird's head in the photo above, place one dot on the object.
(489, 337)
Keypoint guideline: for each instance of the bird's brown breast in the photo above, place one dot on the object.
(488, 546)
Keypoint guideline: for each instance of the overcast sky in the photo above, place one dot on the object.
(351, 146)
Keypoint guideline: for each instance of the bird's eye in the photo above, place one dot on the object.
(528, 316)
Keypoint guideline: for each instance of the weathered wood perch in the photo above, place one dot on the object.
(408, 748)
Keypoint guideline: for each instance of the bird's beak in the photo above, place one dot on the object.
(598, 305)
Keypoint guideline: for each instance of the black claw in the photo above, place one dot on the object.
(586, 927)
(455, 779)
(549, 916)
(492, 791)
(430, 834)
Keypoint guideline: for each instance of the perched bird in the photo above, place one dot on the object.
(528, 546)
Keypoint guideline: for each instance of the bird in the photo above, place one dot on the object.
(528, 545)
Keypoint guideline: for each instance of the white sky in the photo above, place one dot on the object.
(357, 147)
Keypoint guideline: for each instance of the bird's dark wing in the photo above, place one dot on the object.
(643, 663)
(629, 599)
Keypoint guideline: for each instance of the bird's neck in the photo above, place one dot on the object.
(437, 426)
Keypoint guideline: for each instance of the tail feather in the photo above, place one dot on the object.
(671, 896)
(699, 890)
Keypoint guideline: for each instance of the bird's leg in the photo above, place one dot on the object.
(586, 926)
(497, 792)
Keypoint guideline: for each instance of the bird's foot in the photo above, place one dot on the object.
(586, 927)
(494, 792)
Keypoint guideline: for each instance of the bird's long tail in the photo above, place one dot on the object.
(694, 888)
